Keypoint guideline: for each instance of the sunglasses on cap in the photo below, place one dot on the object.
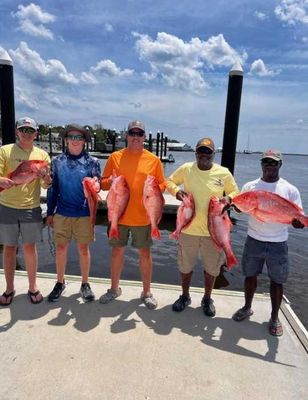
(135, 133)
(28, 131)
(75, 138)
(204, 150)
(270, 161)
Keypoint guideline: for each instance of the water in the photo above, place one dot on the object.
(165, 251)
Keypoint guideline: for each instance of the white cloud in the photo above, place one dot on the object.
(180, 63)
(39, 71)
(25, 100)
(292, 11)
(109, 68)
(108, 27)
(32, 19)
(259, 68)
(88, 78)
(260, 15)
(104, 68)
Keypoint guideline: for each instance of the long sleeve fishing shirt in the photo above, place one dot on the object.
(66, 196)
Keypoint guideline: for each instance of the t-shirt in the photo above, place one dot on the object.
(271, 232)
(28, 194)
(217, 181)
(135, 167)
(66, 196)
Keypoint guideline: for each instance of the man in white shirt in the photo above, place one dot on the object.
(267, 242)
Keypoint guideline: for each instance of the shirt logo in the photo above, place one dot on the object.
(218, 182)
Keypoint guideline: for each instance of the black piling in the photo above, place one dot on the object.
(232, 117)
(7, 98)
(150, 142)
(50, 141)
(165, 146)
(157, 143)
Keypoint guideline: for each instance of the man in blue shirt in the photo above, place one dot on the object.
(67, 208)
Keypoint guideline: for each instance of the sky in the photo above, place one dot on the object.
(164, 62)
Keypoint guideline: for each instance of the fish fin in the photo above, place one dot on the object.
(155, 233)
(1, 189)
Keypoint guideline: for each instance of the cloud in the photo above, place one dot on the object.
(32, 19)
(180, 64)
(25, 100)
(39, 71)
(104, 68)
(259, 68)
(108, 27)
(260, 15)
(292, 11)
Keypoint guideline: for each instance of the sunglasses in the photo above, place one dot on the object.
(135, 133)
(269, 161)
(28, 131)
(75, 138)
(204, 150)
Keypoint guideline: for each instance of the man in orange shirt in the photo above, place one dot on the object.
(135, 164)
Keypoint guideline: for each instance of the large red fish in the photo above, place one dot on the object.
(184, 216)
(91, 188)
(153, 202)
(117, 200)
(28, 171)
(269, 207)
(219, 226)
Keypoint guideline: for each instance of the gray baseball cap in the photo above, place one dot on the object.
(136, 125)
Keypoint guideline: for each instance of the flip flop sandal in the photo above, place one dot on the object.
(8, 298)
(275, 328)
(242, 314)
(35, 294)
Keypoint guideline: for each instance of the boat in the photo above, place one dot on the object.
(170, 158)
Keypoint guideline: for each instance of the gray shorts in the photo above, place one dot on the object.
(141, 236)
(26, 223)
(273, 254)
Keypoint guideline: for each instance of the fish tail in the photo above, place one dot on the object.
(114, 233)
(155, 233)
(174, 235)
(231, 261)
(304, 219)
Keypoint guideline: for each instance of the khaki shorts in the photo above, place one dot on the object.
(141, 237)
(67, 228)
(189, 249)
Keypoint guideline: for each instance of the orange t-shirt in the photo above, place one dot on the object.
(135, 167)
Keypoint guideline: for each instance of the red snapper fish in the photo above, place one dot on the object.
(28, 171)
(153, 202)
(117, 200)
(184, 216)
(219, 226)
(91, 188)
(269, 207)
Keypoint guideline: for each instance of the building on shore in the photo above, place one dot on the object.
(174, 146)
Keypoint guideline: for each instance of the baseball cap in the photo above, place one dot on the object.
(136, 124)
(78, 128)
(273, 154)
(206, 142)
(26, 122)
